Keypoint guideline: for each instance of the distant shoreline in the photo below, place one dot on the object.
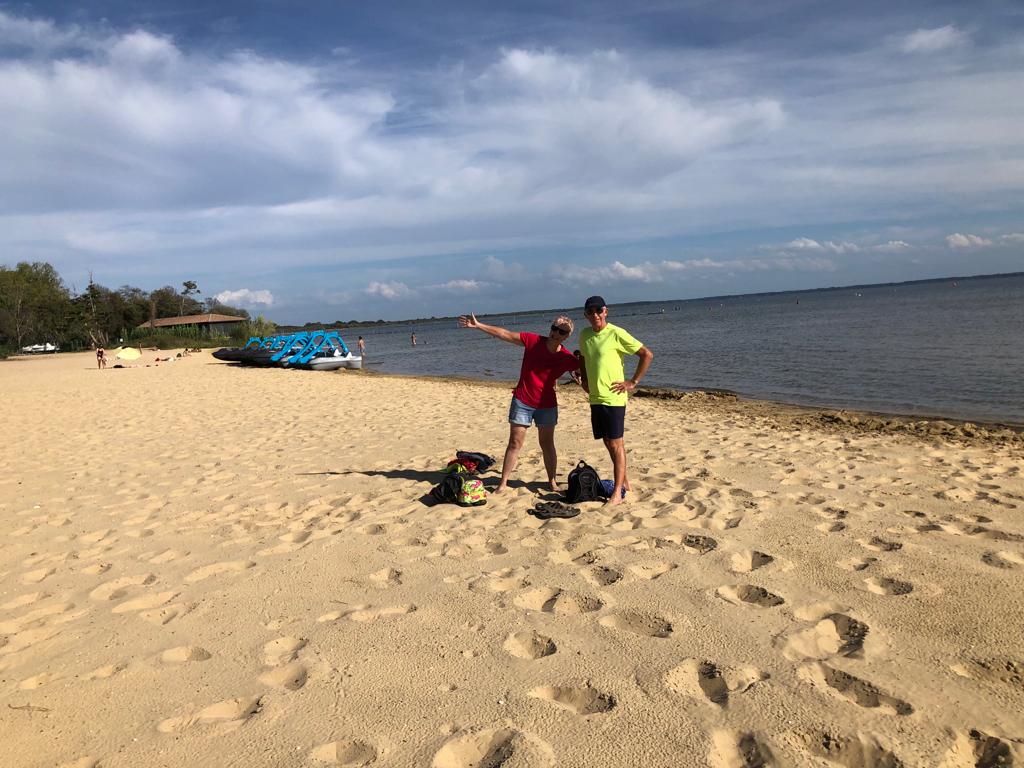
(386, 323)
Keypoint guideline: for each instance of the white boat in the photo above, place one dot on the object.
(334, 362)
(40, 349)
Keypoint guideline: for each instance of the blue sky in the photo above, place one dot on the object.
(335, 160)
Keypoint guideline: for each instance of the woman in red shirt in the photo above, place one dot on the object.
(533, 399)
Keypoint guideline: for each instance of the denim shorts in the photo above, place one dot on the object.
(522, 414)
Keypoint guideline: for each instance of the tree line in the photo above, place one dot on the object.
(37, 307)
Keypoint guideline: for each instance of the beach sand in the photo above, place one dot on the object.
(204, 565)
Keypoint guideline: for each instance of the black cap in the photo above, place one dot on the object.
(594, 302)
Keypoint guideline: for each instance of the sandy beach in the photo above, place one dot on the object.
(206, 565)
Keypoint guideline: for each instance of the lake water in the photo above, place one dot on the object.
(952, 349)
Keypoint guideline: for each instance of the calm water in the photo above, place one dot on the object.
(929, 348)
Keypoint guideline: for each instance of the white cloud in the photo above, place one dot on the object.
(246, 297)
(893, 246)
(931, 40)
(1013, 237)
(502, 271)
(460, 286)
(957, 240)
(807, 244)
(389, 291)
(649, 272)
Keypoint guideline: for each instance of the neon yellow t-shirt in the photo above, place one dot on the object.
(603, 353)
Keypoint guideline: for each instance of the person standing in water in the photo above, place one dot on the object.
(414, 338)
(361, 346)
(533, 399)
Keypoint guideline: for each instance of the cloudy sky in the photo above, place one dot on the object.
(332, 160)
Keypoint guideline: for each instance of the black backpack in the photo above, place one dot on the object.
(448, 490)
(584, 485)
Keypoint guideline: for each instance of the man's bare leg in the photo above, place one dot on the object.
(546, 438)
(617, 450)
(516, 436)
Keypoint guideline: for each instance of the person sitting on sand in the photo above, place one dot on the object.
(533, 399)
(603, 346)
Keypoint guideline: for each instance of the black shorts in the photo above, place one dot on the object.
(607, 421)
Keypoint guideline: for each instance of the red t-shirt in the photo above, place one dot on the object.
(540, 371)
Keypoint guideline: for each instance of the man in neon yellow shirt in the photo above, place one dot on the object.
(603, 347)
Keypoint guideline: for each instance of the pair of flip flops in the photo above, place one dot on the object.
(547, 510)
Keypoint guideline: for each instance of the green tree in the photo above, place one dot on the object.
(189, 288)
(34, 303)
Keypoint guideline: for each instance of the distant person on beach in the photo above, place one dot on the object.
(533, 399)
(101, 358)
(361, 345)
(414, 339)
(603, 347)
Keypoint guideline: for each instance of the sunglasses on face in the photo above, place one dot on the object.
(593, 311)
(560, 329)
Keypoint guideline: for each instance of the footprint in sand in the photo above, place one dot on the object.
(749, 560)
(232, 566)
(82, 762)
(282, 650)
(235, 711)
(36, 576)
(23, 600)
(580, 700)
(702, 679)
(738, 750)
(880, 545)
(977, 749)
(1005, 560)
(494, 748)
(165, 614)
(35, 617)
(650, 570)
(112, 590)
(372, 614)
(836, 634)
(1002, 669)
(145, 602)
(38, 681)
(699, 544)
(601, 575)
(349, 752)
(554, 600)
(289, 677)
(860, 692)
(857, 563)
(184, 654)
(528, 644)
(386, 577)
(749, 594)
(107, 671)
(858, 751)
(168, 556)
(638, 623)
(880, 585)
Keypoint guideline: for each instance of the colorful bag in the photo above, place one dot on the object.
(456, 488)
(472, 493)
